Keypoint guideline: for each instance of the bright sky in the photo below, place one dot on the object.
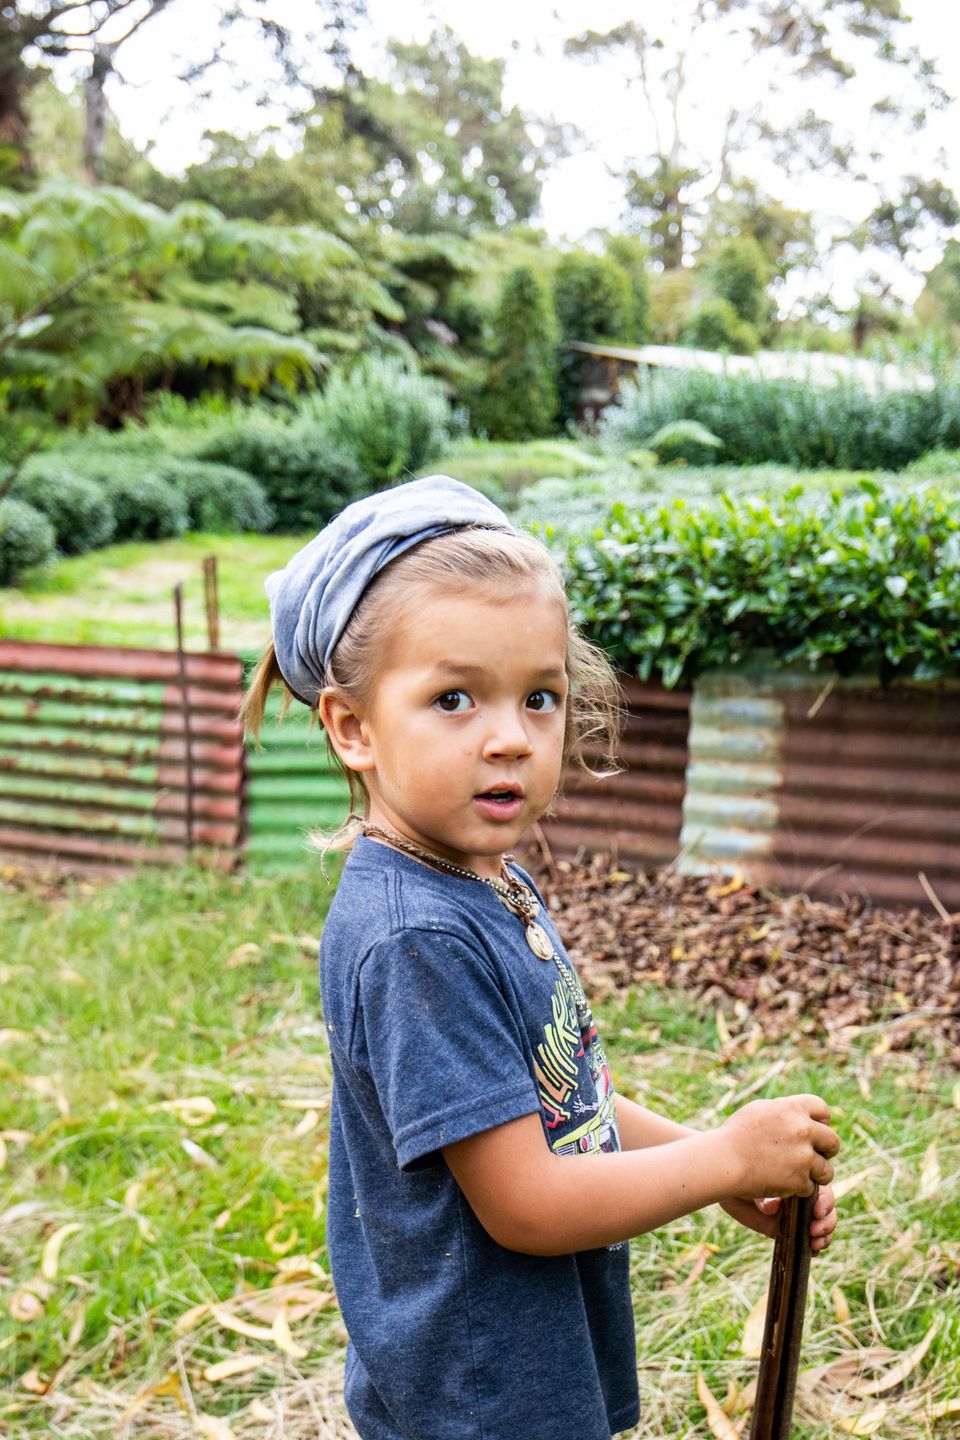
(583, 192)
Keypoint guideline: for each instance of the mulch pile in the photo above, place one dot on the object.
(773, 966)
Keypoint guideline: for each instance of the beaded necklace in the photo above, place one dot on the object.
(511, 892)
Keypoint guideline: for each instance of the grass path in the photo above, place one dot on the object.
(164, 1086)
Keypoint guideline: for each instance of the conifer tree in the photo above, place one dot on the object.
(519, 401)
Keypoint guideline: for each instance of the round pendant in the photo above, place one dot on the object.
(539, 942)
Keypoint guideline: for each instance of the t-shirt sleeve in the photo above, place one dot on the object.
(440, 1041)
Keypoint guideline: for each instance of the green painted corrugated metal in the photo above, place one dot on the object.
(114, 756)
(292, 788)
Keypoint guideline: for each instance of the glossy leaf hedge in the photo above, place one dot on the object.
(863, 580)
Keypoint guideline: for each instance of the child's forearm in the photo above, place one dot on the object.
(640, 1128)
(542, 1204)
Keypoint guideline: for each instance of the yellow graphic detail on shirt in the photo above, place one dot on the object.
(558, 1066)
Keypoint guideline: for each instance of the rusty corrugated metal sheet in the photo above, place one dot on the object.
(638, 811)
(841, 788)
(100, 764)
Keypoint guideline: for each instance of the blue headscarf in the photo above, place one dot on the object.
(314, 595)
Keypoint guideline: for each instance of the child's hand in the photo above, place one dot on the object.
(783, 1147)
(822, 1225)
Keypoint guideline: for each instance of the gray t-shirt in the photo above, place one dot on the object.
(443, 1023)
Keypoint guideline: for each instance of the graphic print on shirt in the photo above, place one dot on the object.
(573, 1079)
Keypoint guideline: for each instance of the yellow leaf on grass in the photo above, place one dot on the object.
(721, 1425)
(50, 1262)
(76, 1329)
(723, 1029)
(169, 1386)
(211, 1427)
(866, 1423)
(930, 1172)
(309, 1122)
(190, 1109)
(246, 954)
(905, 1365)
(278, 1246)
(197, 1154)
(752, 1342)
(943, 1408)
(32, 1381)
(235, 1365)
(290, 1266)
(259, 1411)
(238, 1326)
(3, 1153)
(841, 1307)
(25, 1306)
(10, 1036)
(844, 1187)
(189, 1319)
(956, 1096)
(73, 977)
(283, 1339)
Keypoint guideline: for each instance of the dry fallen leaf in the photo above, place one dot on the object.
(278, 1246)
(235, 1365)
(908, 1362)
(32, 1381)
(211, 1427)
(246, 954)
(721, 1425)
(930, 1172)
(752, 1341)
(283, 1339)
(866, 1423)
(844, 1187)
(190, 1109)
(189, 1319)
(260, 1411)
(943, 1408)
(10, 1036)
(735, 883)
(841, 1307)
(310, 1121)
(168, 1386)
(50, 1262)
(197, 1154)
(25, 1306)
(238, 1326)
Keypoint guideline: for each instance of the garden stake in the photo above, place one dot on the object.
(786, 1297)
(185, 712)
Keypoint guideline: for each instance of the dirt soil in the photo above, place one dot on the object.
(771, 966)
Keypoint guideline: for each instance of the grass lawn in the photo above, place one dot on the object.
(163, 1105)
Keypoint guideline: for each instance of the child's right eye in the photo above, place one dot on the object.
(452, 702)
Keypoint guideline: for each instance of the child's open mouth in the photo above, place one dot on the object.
(499, 804)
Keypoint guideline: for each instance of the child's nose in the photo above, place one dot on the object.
(507, 735)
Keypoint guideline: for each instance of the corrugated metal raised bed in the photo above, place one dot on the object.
(638, 811)
(112, 756)
(292, 788)
(827, 787)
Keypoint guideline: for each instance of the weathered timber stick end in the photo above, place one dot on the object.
(786, 1298)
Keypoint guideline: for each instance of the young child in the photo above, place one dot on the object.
(484, 1177)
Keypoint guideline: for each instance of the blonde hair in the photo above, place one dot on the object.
(485, 557)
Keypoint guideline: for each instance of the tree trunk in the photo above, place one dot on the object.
(17, 165)
(95, 107)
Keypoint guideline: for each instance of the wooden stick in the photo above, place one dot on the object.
(786, 1298)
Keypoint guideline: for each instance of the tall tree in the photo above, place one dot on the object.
(41, 32)
(781, 51)
(450, 153)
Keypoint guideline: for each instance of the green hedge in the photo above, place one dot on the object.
(76, 506)
(864, 579)
(26, 538)
(793, 422)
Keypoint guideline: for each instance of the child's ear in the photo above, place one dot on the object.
(344, 724)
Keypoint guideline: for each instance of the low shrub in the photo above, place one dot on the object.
(305, 475)
(385, 413)
(147, 506)
(219, 498)
(78, 509)
(937, 464)
(865, 578)
(27, 538)
(809, 425)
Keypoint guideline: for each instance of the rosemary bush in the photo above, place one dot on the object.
(863, 579)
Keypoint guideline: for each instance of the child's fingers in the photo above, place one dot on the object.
(825, 1202)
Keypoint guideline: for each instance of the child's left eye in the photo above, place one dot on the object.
(453, 702)
(543, 701)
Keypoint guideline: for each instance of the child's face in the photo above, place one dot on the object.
(464, 730)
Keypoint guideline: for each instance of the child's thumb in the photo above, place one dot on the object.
(768, 1206)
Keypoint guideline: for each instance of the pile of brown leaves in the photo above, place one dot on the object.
(785, 964)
